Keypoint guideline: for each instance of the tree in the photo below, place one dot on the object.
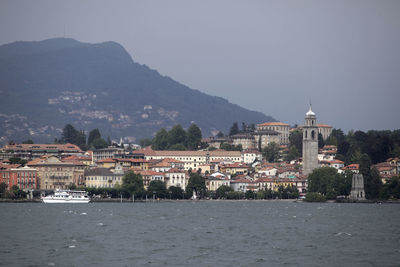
(296, 140)
(133, 183)
(176, 135)
(29, 141)
(180, 147)
(271, 152)
(93, 135)
(230, 147)
(234, 129)
(99, 143)
(222, 191)
(193, 137)
(176, 192)
(321, 142)
(17, 193)
(158, 188)
(373, 184)
(391, 189)
(220, 134)
(244, 127)
(3, 188)
(196, 184)
(145, 142)
(160, 141)
(326, 181)
(17, 161)
(73, 136)
(314, 197)
(292, 154)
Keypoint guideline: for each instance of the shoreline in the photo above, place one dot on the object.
(118, 200)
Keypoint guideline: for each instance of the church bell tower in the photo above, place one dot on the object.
(310, 143)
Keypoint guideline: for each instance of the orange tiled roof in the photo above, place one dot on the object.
(323, 125)
(273, 124)
(33, 147)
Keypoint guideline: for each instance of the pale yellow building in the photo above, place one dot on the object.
(280, 127)
(54, 173)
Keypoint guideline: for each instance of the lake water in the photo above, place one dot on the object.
(203, 233)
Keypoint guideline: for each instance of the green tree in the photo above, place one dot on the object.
(271, 152)
(326, 181)
(196, 184)
(99, 143)
(3, 189)
(296, 140)
(160, 141)
(314, 197)
(391, 189)
(145, 142)
(220, 134)
(176, 192)
(17, 193)
(193, 137)
(321, 142)
(133, 183)
(180, 147)
(373, 184)
(222, 191)
(292, 154)
(29, 141)
(73, 136)
(234, 129)
(158, 188)
(93, 135)
(230, 147)
(250, 194)
(17, 161)
(176, 135)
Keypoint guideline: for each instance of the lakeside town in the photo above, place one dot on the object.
(260, 161)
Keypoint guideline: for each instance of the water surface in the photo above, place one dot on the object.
(209, 233)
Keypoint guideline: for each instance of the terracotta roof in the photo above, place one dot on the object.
(147, 173)
(188, 153)
(106, 161)
(33, 147)
(352, 167)
(235, 165)
(273, 124)
(240, 181)
(323, 125)
(175, 170)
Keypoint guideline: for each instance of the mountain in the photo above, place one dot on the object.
(47, 84)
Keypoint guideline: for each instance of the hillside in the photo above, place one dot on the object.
(47, 84)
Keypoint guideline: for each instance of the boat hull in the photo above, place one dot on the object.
(78, 201)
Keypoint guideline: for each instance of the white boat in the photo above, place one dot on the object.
(67, 196)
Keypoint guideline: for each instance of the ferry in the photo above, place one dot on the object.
(67, 196)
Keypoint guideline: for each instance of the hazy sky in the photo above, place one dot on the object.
(269, 56)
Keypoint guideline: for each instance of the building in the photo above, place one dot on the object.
(103, 177)
(149, 176)
(310, 143)
(34, 151)
(108, 153)
(176, 177)
(280, 127)
(235, 168)
(54, 173)
(23, 177)
(325, 130)
(251, 155)
(190, 159)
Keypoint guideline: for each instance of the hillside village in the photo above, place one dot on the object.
(248, 170)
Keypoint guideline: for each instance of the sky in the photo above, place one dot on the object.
(275, 57)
